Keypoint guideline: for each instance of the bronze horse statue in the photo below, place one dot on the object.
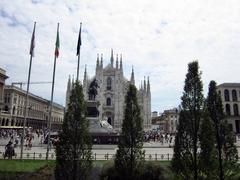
(92, 91)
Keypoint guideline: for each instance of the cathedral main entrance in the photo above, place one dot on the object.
(108, 116)
(109, 120)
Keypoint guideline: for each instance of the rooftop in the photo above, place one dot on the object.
(33, 95)
(229, 85)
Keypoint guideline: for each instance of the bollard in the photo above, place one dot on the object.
(95, 156)
(34, 155)
(168, 156)
(156, 157)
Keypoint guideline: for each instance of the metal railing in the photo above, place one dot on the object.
(95, 156)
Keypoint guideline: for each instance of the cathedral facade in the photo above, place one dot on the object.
(112, 90)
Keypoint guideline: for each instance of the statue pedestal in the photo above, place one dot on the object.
(99, 133)
(92, 110)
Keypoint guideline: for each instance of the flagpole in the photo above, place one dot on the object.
(26, 98)
(51, 102)
(78, 50)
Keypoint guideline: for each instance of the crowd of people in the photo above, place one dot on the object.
(157, 136)
(14, 136)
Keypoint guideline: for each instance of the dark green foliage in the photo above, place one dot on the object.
(146, 171)
(185, 150)
(130, 154)
(73, 152)
(227, 151)
(208, 163)
(230, 153)
(152, 171)
(182, 162)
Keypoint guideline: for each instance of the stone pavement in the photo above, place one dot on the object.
(100, 151)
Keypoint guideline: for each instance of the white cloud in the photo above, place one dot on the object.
(158, 37)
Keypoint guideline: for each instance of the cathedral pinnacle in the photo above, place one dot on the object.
(97, 61)
(101, 63)
(121, 62)
(111, 58)
(148, 86)
(117, 62)
(144, 84)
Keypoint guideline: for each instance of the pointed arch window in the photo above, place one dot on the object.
(226, 95)
(109, 83)
(234, 95)
(109, 102)
(228, 109)
(235, 109)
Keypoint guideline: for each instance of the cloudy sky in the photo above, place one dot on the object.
(158, 37)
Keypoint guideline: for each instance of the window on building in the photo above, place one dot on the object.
(228, 109)
(13, 111)
(235, 109)
(6, 108)
(109, 101)
(226, 95)
(109, 83)
(3, 122)
(234, 95)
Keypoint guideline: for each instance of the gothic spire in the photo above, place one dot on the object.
(144, 84)
(111, 58)
(101, 63)
(117, 62)
(121, 62)
(97, 64)
(148, 86)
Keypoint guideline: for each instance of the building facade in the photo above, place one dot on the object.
(3, 77)
(230, 94)
(38, 110)
(13, 104)
(167, 121)
(113, 86)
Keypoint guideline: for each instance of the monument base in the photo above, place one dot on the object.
(100, 134)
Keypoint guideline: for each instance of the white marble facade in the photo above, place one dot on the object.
(111, 94)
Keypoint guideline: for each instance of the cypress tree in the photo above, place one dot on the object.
(227, 151)
(130, 154)
(192, 105)
(182, 162)
(214, 105)
(73, 152)
(208, 153)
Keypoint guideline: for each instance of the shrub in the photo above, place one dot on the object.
(148, 171)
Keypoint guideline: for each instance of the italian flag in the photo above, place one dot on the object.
(57, 47)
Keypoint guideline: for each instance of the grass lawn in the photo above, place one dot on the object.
(23, 165)
(12, 169)
(34, 165)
